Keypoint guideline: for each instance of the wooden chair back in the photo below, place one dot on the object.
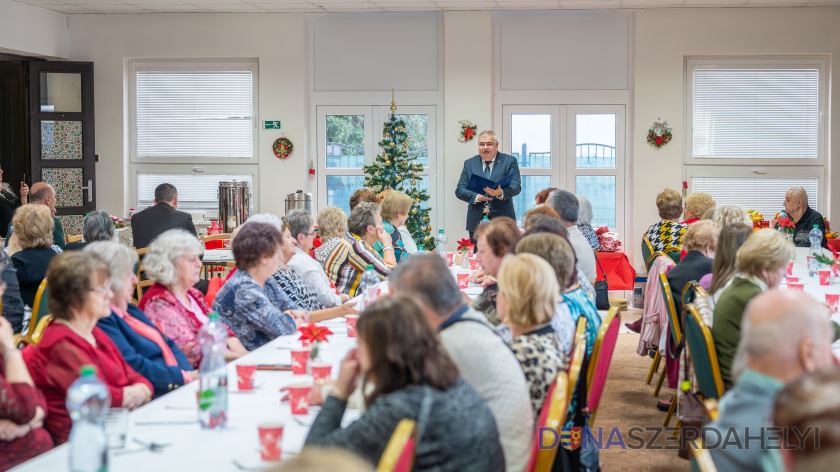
(599, 361)
(553, 416)
(704, 360)
(142, 282)
(399, 453)
(39, 307)
(74, 239)
(39, 329)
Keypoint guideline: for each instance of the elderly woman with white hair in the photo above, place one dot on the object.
(143, 346)
(96, 226)
(585, 222)
(172, 303)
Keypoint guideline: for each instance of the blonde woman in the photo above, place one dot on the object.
(696, 205)
(33, 231)
(760, 265)
(666, 235)
(730, 214)
(394, 211)
(528, 293)
(332, 226)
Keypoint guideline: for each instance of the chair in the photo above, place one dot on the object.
(700, 458)
(399, 453)
(703, 356)
(647, 252)
(215, 237)
(35, 338)
(676, 336)
(142, 283)
(690, 292)
(74, 239)
(553, 415)
(39, 307)
(599, 361)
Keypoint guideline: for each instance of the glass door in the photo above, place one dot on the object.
(62, 137)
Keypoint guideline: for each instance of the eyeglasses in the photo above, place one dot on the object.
(102, 291)
(490, 144)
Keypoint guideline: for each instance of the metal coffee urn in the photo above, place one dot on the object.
(234, 204)
(299, 201)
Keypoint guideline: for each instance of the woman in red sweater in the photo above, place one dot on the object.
(79, 296)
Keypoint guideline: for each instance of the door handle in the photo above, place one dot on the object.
(89, 188)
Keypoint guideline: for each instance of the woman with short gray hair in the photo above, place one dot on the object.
(144, 348)
(172, 303)
(585, 222)
(96, 226)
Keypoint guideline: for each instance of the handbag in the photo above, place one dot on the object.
(602, 300)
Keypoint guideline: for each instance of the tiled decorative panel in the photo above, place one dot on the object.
(72, 224)
(61, 140)
(67, 183)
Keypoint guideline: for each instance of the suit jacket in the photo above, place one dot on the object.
(503, 165)
(151, 222)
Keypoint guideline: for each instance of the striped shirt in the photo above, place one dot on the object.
(348, 261)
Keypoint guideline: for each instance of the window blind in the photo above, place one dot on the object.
(765, 195)
(195, 114)
(197, 192)
(755, 113)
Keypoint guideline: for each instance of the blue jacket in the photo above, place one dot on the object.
(504, 165)
(143, 355)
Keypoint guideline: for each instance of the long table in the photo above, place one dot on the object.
(813, 287)
(173, 418)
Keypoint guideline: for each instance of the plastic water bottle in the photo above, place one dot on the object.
(212, 394)
(440, 244)
(88, 400)
(816, 248)
(368, 285)
(484, 221)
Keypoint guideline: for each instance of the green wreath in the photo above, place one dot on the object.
(282, 147)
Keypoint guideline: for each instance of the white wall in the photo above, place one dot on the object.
(32, 31)
(664, 36)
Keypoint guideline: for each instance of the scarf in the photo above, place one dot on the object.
(149, 333)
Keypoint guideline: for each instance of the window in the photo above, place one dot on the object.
(192, 124)
(756, 128)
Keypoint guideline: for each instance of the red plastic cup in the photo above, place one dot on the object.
(351, 325)
(835, 268)
(463, 280)
(792, 280)
(245, 376)
(825, 277)
(800, 287)
(300, 360)
(474, 265)
(321, 370)
(833, 299)
(470, 251)
(271, 436)
(790, 268)
(450, 258)
(299, 398)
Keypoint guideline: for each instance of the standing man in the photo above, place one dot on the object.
(803, 216)
(151, 222)
(495, 166)
(44, 194)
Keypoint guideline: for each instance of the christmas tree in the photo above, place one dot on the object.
(396, 168)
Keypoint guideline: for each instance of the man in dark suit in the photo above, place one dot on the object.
(151, 222)
(493, 165)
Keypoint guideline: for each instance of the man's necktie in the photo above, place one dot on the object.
(487, 170)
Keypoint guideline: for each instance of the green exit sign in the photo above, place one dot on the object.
(271, 125)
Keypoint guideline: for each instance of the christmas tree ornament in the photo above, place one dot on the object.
(413, 182)
(387, 162)
(413, 212)
(392, 144)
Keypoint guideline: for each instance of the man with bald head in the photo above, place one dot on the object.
(784, 335)
(803, 216)
(43, 193)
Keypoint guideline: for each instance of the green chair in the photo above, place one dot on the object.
(647, 253)
(676, 334)
(39, 307)
(698, 337)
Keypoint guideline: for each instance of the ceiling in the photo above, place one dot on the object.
(324, 6)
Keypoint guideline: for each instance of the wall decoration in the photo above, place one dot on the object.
(467, 131)
(283, 147)
(659, 134)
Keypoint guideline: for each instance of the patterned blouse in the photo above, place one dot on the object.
(580, 304)
(542, 358)
(486, 303)
(349, 259)
(254, 313)
(590, 235)
(294, 286)
(18, 402)
(400, 251)
(666, 236)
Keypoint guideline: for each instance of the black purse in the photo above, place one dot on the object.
(602, 301)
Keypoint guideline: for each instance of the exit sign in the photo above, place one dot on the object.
(271, 125)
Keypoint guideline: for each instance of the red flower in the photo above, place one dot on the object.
(786, 223)
(313, 333)
(469, 133)
(465, 244)
(658, 140)
(685, 184)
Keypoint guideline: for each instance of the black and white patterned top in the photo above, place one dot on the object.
(297, 290)
(666, 236)
(542, 357)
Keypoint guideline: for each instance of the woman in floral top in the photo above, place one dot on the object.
(525, 303)
(666, 236)
(395, 210)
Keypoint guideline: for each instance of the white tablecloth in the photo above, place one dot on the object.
(812, 285)
(218, 255)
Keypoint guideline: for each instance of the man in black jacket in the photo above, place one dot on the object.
(151, 222)
(803, 217)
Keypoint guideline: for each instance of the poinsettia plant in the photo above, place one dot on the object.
(786, 225)
(464, 245)
(313, 335)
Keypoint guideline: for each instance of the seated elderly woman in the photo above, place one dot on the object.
(731, 214)
(395, 210)
(666, 235)
(96, 226)
(349, 260)
(363, 195)
(12, 303)
(22, 406)
(146, 350)
(760, 264)
(544, 222)
(696, 205)
(251, 302)
(585, 222)
(302, 232)
(699, 243)
(400, 355)
(33, 227)
(731, 238)
(574, 302)
(495, 240)
(332, 226)
(172, 304)
(80, 295)
(541, 197)
(526, 301)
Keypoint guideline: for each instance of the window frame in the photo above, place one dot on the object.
(138, 65)
(771, 62)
